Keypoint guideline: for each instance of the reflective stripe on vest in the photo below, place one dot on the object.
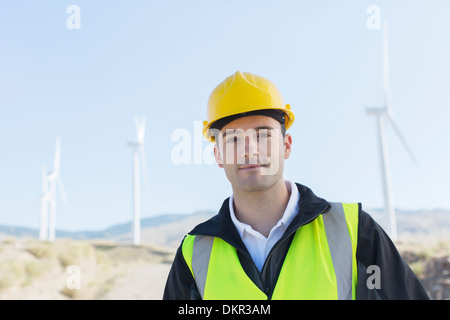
(320, 262)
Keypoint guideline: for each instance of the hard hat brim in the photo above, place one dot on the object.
(208, 126)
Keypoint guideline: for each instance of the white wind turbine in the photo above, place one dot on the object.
(138, 153)
(384, 114)
(45, 199)
(48, 198)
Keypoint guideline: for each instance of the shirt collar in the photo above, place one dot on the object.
(289, 213)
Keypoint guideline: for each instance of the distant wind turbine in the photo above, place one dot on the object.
(138, 153)
(384, 114)
(45, 199)
(48, 198)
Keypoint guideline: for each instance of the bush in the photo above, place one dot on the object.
(42, 250)
(70, 253)
(12, 273)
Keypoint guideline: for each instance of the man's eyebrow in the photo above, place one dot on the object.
(264, 127)
(256, 129)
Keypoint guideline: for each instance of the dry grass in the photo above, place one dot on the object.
(429, 258)
(34, 269)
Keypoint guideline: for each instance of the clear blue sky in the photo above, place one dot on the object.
(161, 59)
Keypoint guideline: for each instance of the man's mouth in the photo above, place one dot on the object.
(249, 167)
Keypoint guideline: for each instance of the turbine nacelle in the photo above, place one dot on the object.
(376, 110)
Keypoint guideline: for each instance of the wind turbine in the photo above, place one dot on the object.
(138, 153)
(45, 198)
(384, 115)
(49, 197)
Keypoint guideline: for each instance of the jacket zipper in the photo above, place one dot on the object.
(284, 238)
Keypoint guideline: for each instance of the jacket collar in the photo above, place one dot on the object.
(221, 226)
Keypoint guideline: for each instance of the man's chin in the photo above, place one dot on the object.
(254, 183)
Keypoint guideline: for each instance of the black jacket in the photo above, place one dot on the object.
(397, 281)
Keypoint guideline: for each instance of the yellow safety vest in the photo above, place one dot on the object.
(320, 262)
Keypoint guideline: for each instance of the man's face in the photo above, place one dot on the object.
(252, 152)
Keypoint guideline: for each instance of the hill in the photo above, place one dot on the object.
(168, 230)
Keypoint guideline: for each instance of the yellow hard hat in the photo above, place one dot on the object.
(244, 92)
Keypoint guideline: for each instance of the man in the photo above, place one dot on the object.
(272, 238)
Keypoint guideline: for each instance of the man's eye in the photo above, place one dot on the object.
(263, 135)
(232, 140)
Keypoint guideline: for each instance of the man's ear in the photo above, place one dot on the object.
(218, 156)
(287, 145)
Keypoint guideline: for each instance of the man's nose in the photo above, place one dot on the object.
(250, 147)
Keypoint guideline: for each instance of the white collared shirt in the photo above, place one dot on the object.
(258, 245)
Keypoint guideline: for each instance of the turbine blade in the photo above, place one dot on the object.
(140, 129)
(405, 144)
(44, 179)
(387, 93)
(62, 189)
(57, 155)
(136, 123)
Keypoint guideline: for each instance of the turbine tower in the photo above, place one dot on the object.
(384, 115)
(138, 154)
(48, 198)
